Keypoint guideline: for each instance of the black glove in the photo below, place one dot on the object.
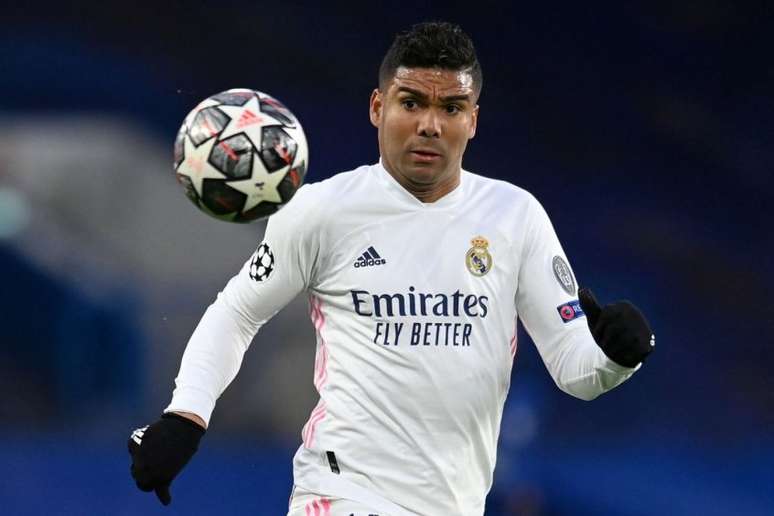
(161, 450)
(620, 329)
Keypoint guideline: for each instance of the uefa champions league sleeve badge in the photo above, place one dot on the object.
(262, 263)
(477, 259)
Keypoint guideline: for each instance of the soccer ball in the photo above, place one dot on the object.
(240, 155)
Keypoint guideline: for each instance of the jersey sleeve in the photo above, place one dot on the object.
(282, 266)
(547, 304)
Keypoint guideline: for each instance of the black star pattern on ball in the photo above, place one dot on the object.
(262, 263)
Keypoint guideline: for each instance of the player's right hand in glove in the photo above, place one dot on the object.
(619, 329)
(160, 451)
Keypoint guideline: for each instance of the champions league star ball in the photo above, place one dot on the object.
(240, 155)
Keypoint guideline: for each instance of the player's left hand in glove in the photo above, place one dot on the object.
(160, 451)
(619, 329)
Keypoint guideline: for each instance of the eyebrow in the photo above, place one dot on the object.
(422, 96)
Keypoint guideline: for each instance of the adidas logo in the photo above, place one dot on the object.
(248, 118)
(369, 258)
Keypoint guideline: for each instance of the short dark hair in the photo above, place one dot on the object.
(432, 45)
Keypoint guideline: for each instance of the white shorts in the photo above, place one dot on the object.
(304, 503)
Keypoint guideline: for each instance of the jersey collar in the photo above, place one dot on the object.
(395, 188)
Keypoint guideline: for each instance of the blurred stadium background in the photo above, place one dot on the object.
(645, 129)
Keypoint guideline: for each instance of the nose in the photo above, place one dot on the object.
(429, 124)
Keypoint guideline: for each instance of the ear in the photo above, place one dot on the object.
(474, 123)
(375, 108)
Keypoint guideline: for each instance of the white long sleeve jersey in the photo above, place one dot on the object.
(415, 308)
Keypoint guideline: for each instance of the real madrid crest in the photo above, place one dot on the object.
(477, 259)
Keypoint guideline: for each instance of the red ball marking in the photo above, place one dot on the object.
(231, 154)
(282, 150)
(196, 164)
(248, 118)
(209, 127)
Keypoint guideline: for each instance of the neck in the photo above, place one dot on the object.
(425, 192)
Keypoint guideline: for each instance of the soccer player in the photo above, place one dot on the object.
(417, 272)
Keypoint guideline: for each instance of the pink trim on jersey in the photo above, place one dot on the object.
(320, 371)
(318, 507)
(318, 414)
(321, 358)
(307, 425)
(514, 341)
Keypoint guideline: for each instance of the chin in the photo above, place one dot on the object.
(422, 173)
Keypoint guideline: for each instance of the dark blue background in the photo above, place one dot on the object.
(646, 132)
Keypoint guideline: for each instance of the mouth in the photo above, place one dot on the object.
(425, 155)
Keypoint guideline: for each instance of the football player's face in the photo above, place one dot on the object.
(425, 118)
